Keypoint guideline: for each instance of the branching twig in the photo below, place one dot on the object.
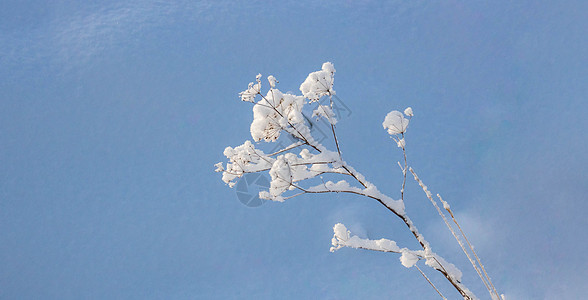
(297, 170)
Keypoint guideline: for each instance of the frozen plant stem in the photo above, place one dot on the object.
(277, 112)
(403, 145)
(448, 208)
(434, 203)
(484, 277)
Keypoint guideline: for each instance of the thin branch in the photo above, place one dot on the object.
(332, 126)
(293, 146)
(440, 212)
(404, 169)
(448, 208)
(352, 174)
(336, 141)
(296, 195)
(427, 278)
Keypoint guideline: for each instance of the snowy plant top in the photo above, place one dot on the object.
(276, 112)
(395, 122)
(319, 83)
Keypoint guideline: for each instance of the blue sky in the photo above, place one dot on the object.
(112, 115)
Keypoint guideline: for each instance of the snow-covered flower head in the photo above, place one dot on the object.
(252, 90)
(242, 159)
(326, 112)
(319, 83)
(275, 112)
(272, 81)
(395, 122)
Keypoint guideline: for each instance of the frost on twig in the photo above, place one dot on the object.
(479, 268)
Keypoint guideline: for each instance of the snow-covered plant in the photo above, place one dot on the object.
(293, 167)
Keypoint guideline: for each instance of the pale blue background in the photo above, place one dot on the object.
(113, 113)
